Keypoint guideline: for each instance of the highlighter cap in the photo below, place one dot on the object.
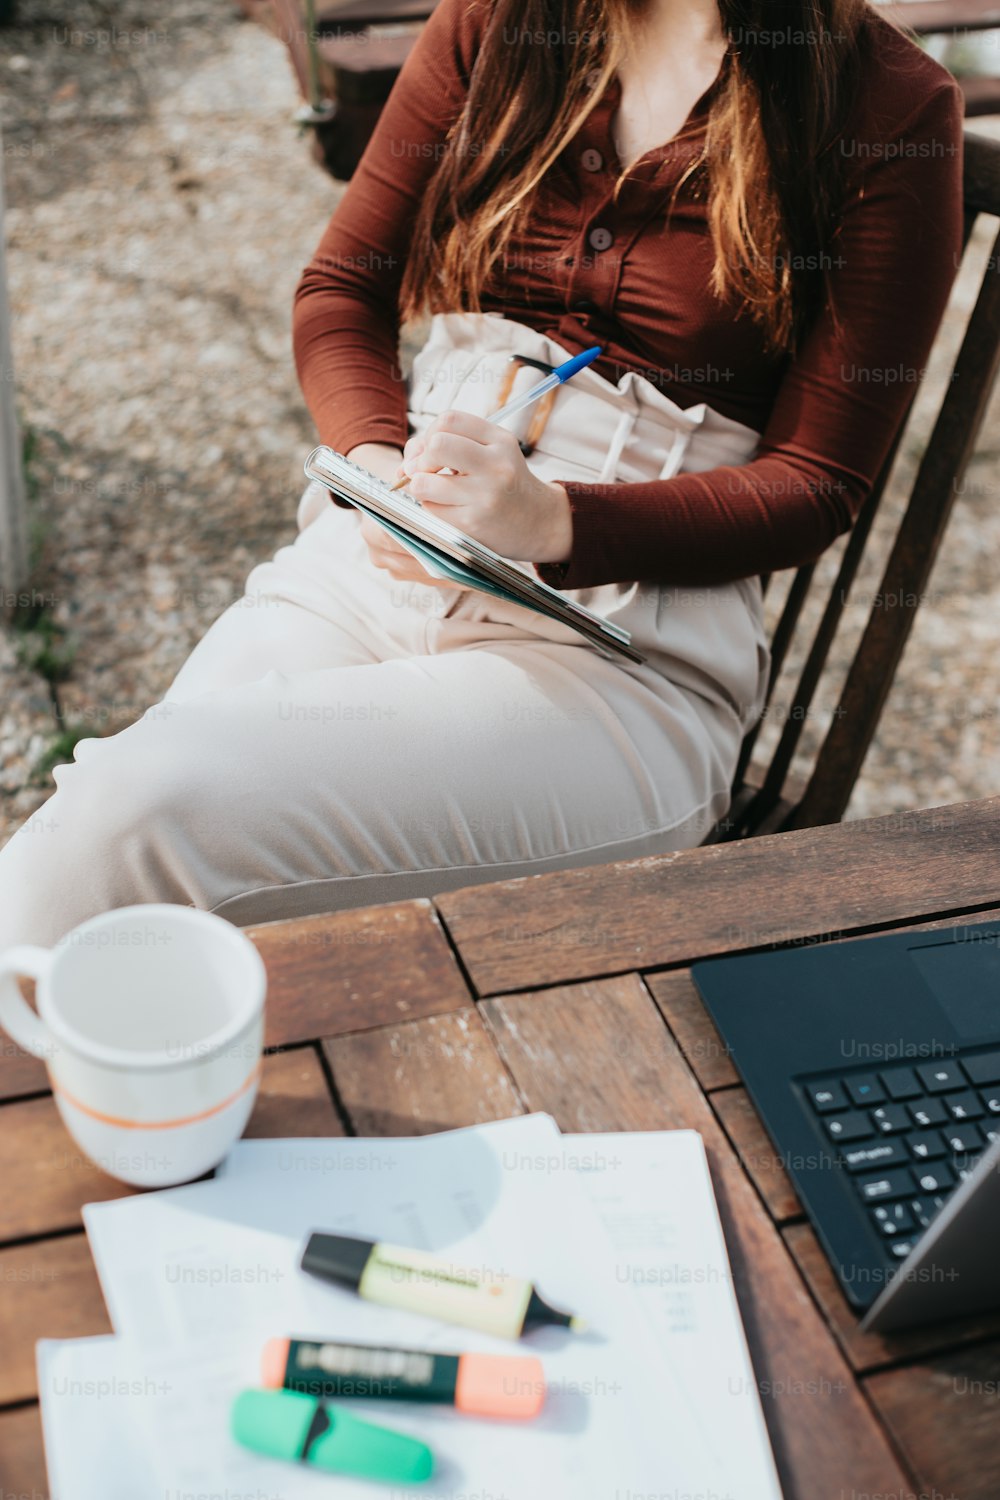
(337, 1257)
(500, 1385)
(274, 1362)
(277, 1424)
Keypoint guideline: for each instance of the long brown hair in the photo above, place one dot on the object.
(772, 170)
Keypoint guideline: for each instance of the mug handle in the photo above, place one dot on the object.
(16, 1015)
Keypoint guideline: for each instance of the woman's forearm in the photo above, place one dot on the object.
(346, 316)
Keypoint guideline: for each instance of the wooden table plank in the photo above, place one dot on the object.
(20, 1073)
(47, 1179)
(866, 1351)
(757, 1152)
(51, 1291)
(434, 1074)
(356, 969)
(945, 1414)
(562, 1048)
(684, 1011)
(294, 1098)
(803, 886)
(22, 1458)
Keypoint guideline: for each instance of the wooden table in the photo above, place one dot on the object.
(570, 993)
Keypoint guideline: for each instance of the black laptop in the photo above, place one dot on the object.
(875, 1065)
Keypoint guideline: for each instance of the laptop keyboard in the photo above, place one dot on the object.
(907, 1135)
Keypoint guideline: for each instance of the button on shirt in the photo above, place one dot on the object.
(591, 266)
(600, 239)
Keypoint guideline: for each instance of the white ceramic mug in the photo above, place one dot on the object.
(151, 1022)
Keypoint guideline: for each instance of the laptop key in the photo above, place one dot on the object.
(901, 1248)
(827, 1095)
(926, 1144)
(965, 1140)
(937, 1078)
(990, 1100)
(985, 1068)
(901, 1083)
(893, 1218)
(872, 1154)
(893, 1184)
(890, 1118)
(930, 1112)
(865, 1089)
(850, 1127)
(924, 1209)
(964, 1106)
(933, 1179)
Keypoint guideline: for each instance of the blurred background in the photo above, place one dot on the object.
(160, 205)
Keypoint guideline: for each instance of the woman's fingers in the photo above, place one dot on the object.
(460, 424)
(446, 450)
(388, 554)
(450, 492)
(463, 424)
(376, 536)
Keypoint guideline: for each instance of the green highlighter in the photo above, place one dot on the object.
(289, 1424)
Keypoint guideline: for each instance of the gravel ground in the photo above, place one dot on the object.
(160, 208)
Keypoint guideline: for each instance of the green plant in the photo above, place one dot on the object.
(32, 467)
(41, 643)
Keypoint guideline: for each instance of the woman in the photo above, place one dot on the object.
(759, 224)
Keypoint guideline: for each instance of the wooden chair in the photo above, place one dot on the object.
(769, 798)
(362, 45)
(772, 796)
(954, 18)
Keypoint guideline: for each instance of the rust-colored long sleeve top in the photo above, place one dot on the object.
(592, 270)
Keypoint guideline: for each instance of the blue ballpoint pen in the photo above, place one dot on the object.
(559, 376)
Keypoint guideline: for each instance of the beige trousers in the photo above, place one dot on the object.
(339, 738)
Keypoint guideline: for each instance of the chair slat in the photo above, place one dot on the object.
(908, 569)
(784, 633)
(982, 174)
(819, 651)
(766, 793)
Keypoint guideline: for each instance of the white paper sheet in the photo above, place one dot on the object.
(199, 1277)
(92, 1419)
(653, 1192)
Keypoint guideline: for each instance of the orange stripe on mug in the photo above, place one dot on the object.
(204, 1114)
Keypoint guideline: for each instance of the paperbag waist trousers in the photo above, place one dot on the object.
(339, 738)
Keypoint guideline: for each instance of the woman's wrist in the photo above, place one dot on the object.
(380, 459)
(558, 545)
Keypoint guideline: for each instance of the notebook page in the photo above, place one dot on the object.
(203, 1275)
(654, 1194)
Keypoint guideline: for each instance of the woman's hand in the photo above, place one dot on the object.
(490, 493)
(385, 552)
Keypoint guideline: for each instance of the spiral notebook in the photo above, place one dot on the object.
(451, 554)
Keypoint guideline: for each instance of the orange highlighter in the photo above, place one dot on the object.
(510, 1386)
